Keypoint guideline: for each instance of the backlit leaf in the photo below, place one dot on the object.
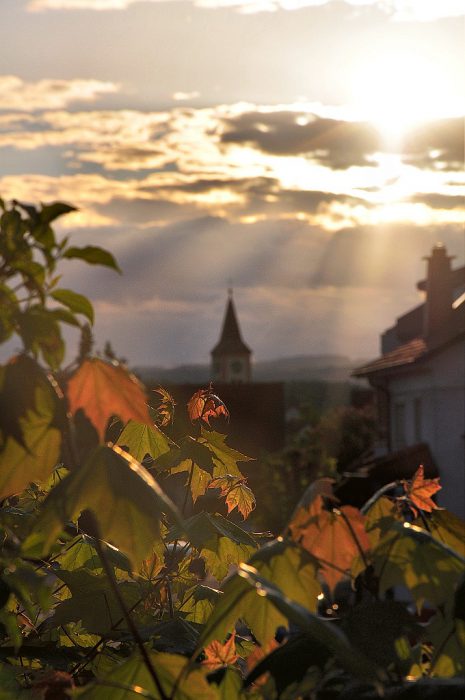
(165, 409)
(419, 491)
(140, 440)
(218, 654)
(134, 673)
(124, 497)
(104, 390)
(336, 538)
(283, 564)
(236, 492)
(205, 405)
(225, 458)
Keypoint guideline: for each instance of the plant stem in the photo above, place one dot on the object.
(129, 621)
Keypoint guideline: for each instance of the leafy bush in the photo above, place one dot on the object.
(109, 589)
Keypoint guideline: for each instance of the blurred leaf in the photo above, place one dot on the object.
(323, 631)
(422, 565)
(134, 673)
(29, 445)
(92, 601)
(448, 639)
(141, 440)
(40, 332)
(448, 528)
(92, 255)
(124, 497)
(283, 564)
(373, 627)
(103, 390)
(74, 301)
(336, 538)
(165, 410)
(50, 212)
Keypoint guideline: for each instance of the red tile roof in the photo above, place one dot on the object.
(404, 355)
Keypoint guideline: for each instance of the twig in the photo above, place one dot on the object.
(129, 621)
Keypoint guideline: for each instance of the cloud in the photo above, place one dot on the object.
(335, 143)
(438, 143)
(18, 94)
(401, 10)
(185, 96)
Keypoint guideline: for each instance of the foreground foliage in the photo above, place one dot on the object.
(111, 589)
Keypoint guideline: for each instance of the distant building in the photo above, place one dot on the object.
(419, 382)
(231, 356)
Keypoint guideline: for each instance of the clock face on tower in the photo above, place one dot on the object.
(236, 367)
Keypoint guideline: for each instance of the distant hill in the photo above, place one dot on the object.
(328, 368)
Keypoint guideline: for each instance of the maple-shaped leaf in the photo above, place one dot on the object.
(336, 538)
(236, 492)
(419, 491)
(218, 655)
(165, 410)
(104, 390)
(204, 405)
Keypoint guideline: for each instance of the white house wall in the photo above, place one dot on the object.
(440, 386)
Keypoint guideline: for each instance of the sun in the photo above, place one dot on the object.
(395, 90)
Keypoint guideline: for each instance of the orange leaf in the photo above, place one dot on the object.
(334, 537)
(204, 404)
(218, 655)
(104, 390)
(419, 491)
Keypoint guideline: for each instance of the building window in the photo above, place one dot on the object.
(399, 425)
(417, 419)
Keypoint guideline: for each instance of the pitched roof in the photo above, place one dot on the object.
(230, 342)
(404, 355)
(419, 348)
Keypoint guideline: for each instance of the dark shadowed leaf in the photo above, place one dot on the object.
(93, 255)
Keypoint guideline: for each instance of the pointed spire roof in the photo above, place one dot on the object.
(230, 342)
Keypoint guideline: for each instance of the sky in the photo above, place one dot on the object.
(307, 153)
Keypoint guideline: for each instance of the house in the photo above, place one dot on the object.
(419, 382)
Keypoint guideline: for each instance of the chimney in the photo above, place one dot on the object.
(439, 290)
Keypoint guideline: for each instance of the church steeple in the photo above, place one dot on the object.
(231, 356)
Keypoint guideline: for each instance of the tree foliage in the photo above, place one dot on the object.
(109, 588)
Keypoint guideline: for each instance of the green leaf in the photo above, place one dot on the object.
(225, 458)
(283, 564)
(93, 255)
(92, 602)
(448, 639)
(410, 557)
(134, 674)
(448, 528)
(141, 440)
(76, 302)
(322, 631)
(9, 686)
(35, 457)
(40, 332)
(199, 603)
(126, 500)
(220, 542)
(50, 212)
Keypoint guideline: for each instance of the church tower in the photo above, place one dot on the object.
(231, 356)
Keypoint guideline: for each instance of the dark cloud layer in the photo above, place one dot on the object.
(335, 143)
